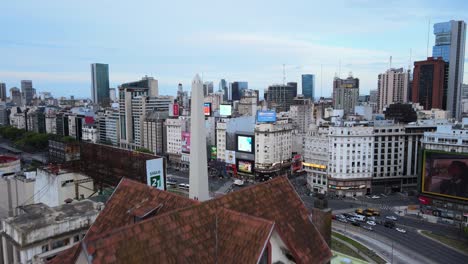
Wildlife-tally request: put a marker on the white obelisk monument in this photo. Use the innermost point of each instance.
(198, 178)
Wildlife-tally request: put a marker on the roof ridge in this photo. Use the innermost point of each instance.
(274, 180)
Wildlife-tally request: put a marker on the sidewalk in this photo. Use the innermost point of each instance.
(383, 247)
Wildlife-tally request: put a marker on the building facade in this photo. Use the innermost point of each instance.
(430, 83)
(345, 94)
(280, 97)
(392, 87)
(100, 84)
(351, 152)
(450, 38)
(308, 86)
(301, 113)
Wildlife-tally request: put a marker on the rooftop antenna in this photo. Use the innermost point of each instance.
(390, 63)
(284, 74)
(339, 68)
(321, 81)
(428, 30)
(409, 62)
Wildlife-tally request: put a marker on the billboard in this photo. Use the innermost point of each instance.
(185, 142)
(245, 143)
(230, 157)
(225, 110)
(155, 173)
(173, 109)
(245, 166)
(266, 116)
(214, 152)
(207, 109)
(445, 174)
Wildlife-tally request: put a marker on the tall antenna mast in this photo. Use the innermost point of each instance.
(409, 62)
(339, 68)
(284, 74)
(428, 30)
(390, 64)
(321, 80)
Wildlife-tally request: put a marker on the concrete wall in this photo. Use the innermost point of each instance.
(14, 192)
(53, 190)
(277, 249)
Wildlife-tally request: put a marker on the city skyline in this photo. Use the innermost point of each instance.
(59, 48)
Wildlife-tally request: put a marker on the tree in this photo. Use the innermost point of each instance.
(144, 150)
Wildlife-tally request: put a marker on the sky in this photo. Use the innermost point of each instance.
(53, 42)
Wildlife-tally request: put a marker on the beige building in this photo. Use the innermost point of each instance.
(392, 88)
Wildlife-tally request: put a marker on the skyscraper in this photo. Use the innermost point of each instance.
(100, 83)
(208, 88)
(3, 95)
(392, 87)
(450, 40)
(281, 97)
(237, 90)
(345, 94)
(198, 177)
(308, 86)
(223, 88)
(27, 91)
(430, 84)
(15, 96)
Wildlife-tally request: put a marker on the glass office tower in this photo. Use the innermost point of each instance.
(100, 83)
(450, 40)
(308, 86)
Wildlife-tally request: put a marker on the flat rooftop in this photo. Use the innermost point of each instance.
(37, 216)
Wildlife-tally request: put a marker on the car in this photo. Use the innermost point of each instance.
(372, 223)
(367, 227)
(359, 211)
(391, 217)
(340, 216)
(356, 223)
(171, 182)
(371, 218)
(239, 182)
(389, 224)
(375, 197)
(351, 219)
(401, 230)
(343, 220)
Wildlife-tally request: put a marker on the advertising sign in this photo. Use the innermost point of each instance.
(155, 173)
(214, 152)
(266, 116)
(186, 142)
(245, 143)
(245, 166)
(445, 174)
(230, 157)
(173, 110)
(207, 109)
(225, 110)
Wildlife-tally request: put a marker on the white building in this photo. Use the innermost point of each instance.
(435, 114)
(447, 138)
(41, 232)
(57, 185)
(351, 152)
(174, 139)
(17, 118)
(248, 103)
(273, 147)
(301, 113)
(221, 141)
(392, 88)
(109, 127)
(15, 191)
(389, 148)
(316, 158)
(51, 123)
(90, 133)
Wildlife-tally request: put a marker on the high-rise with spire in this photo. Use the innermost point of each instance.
(198, 178)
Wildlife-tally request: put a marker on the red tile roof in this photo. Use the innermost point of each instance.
(131, 196)
(198, 234)
(183, 230)
(276, 200)
(67, 256)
